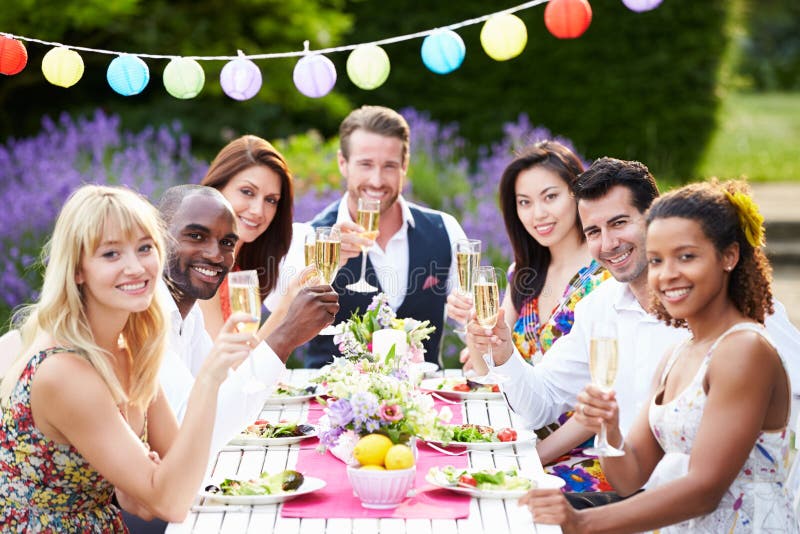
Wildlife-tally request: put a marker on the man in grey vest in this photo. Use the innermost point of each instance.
(411, 261)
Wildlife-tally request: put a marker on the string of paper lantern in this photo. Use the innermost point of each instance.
(503, 37)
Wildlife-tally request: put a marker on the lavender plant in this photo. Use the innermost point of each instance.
(37, 174)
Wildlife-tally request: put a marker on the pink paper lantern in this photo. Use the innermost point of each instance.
(641, 5)
(13, 56)
(567, 19)
(314, 75)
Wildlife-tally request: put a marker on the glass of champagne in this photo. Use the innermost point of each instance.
(369, 215)
(487, 306)
(327, 251)
(310, 248)
(468, 258)
(244, 298)
(603, 367)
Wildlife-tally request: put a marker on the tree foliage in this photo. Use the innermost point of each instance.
(635, 85)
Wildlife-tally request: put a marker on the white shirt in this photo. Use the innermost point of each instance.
(291, 264)
(391, 264)
(187, 348)
(541, 393)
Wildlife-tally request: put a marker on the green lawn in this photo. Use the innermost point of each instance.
(758, 137)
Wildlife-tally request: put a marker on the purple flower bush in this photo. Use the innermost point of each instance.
(37, 174)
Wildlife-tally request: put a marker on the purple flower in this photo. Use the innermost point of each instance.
(340, 412)
(365, 408)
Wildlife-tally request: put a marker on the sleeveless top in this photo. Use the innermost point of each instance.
(48, 487)
(533, 339)
(757, 500)
(429, 258)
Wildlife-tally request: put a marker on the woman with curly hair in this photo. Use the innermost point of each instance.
(254, 177)
(82, 410)
(715, 434)
(552, 271)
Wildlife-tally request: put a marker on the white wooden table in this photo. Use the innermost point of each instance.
(486, 515)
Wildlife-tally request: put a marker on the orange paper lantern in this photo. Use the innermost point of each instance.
(13, 56)
(567, 19)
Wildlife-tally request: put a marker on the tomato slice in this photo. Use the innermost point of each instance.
(466, 480)
(461, 387)
(507, 434)
(261, 422)
(495, 388)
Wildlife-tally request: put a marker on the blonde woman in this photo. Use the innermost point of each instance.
(82, 409)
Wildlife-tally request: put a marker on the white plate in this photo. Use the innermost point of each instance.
(243, 439)
(309, 484)
(431, 384)
(289, 399)
(543, 481)
(523, 436)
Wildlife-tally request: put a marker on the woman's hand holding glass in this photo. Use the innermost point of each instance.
(245, 299)
(603, 361)
(596, 407)
(230, 348)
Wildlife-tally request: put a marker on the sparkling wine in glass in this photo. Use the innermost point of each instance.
(244, 298)
(310, 248)
(603, 361)
(468, 258)
(487, 307)
(327, 251)
(369, 215)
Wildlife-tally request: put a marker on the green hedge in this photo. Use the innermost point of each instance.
(638, 86)
(770, 49)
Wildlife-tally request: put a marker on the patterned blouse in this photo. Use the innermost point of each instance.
(533, 339)
(48, 487)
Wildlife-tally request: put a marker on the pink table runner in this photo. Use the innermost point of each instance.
(336, 500)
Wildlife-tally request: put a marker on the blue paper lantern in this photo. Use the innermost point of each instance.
(240, 79)
(314, 75)
(443, 51)
(128, 75)
(641, 5)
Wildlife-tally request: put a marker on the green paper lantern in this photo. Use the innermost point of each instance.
(62, 67)
(184, 78)
(368, 67)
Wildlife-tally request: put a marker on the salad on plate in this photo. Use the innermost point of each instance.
(486, 483)
(482, 437)
(461, 388)
(288, 393)
(265, 489)
(262, 432)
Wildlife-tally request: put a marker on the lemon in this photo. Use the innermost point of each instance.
(371, 449)
(399, 457)
(373, 468)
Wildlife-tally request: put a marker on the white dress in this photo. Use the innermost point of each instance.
(757, 500)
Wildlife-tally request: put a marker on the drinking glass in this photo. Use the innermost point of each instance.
(244, 297)
(369, 215)
(310, 248)
(468, 258)
(487, 306)
(327, 250)
(603, 367)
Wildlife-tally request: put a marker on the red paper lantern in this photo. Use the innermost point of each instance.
(567, 19)
(13, 56)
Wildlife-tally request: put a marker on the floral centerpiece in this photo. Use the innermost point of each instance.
(369, 402)
(355, 339)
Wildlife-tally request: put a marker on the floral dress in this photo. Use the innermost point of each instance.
(48, 487)
(757, 500)
(533, 339)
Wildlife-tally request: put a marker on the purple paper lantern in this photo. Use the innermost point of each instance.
(641, 6)
(314, 75)
(240, 79)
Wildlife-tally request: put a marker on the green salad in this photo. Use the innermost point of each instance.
(262, 428)
(481, 479)
(288, 390)
(265, 484)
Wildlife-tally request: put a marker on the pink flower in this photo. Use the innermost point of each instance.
(369, 346)
(391, 412)
(430, 282)
(417, 354)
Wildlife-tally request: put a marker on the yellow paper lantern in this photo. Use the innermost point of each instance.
(504, 37)
(368, 66)
(184, 78)
(62, 66)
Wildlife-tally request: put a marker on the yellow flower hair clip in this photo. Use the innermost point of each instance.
(750, 218)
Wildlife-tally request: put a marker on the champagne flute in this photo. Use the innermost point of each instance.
(468, 258)
(327, 250)
(369, 215)
(310, 248)
(603, 367)
(487, 307)
(244, 297)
